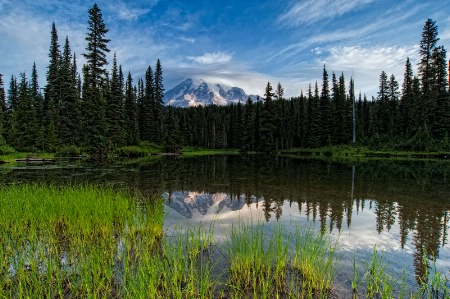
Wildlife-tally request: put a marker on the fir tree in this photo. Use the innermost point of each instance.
(115, 115)
(25, 118)
(325, 112)
(97, 47)
(158, 103)
(268, 122)
(407, 103)
(131, 129)
(172, 140)
(2, 110)
(147, 124)
(69, 110)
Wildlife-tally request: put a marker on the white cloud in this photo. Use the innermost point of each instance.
(211, 58)
(366, 64)
(310, 11)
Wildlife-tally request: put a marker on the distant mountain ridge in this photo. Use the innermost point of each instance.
(198, 92)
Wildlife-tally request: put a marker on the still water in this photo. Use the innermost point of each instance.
(402, 208)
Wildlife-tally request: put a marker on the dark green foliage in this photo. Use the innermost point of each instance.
(131, 124)
(325, 111)
(172, 140)
(25, 117)
(268, 122)
(158, 104)
(115, 108)
(97, 47)
(3, 108)
(148, 127)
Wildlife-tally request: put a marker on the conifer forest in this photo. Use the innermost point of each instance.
(100, 107)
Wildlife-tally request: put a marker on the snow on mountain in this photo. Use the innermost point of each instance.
(201, 93)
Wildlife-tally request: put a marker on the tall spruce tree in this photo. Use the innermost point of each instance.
(25, 117)
(51, 95)
(383, 111)
(267, 144)
(147, 123)
(94, 108)
(69, 109)
(158, 103)
(115, 115)
(2, 110)
(325, 112)
(12, 103)
(407, 103)
(131, 121)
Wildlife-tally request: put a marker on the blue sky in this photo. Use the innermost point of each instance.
(238, 42)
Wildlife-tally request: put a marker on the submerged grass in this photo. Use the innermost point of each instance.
(92, 242)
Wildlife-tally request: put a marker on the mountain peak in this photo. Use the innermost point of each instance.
(198, 92)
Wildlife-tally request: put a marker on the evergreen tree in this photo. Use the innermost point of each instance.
(115, 115)
(94, 111)
(2, 110)
(407, 103)
(248, 136)
(158, 103)
(267, 144)
(131, 124)
(12, 103)
(383, 113)
(97, 47)
(69, 110)
(325, 112)
(51, 94)
(441, 116)
(314, 130)
(393, 106)
(147, 124)
(25, 118)
(38, 104)
(172, 140)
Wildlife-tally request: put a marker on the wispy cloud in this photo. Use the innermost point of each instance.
(366, 64)
(211, 58)
(310, 11)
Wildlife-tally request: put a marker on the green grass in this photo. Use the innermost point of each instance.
(9, 158)
(97, 242)
(359, 153)
(196, 151)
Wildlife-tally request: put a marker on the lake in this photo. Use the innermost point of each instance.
(401, 207)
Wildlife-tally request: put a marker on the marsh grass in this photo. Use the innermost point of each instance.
(97, 242)
(266, 265)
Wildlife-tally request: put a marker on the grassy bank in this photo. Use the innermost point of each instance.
(362, 153)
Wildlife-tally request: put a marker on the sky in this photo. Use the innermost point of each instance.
(242, 43)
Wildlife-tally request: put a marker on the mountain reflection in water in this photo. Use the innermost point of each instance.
(400, 206)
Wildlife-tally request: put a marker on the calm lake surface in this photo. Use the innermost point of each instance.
(401, 207)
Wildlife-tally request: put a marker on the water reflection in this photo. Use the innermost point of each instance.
(405, 203)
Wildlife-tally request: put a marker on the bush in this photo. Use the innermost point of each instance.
(130, 152)
(68, 151)
(6, 149)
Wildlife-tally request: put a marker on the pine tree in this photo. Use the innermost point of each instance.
(2, 111)
(158, 103)
(440, 121)
(38, 104)
(383, 114)
(407, 103)
(68, 108)
(115, 108)
(314, 130)
(248, 136)
(325, 112)
(94, 111)
(97, 47)
(268, 122)
(25, 118)
(51, 94)
(172, 140)
(12, 103)
(131, 124)
(147, 124)
(393, 106)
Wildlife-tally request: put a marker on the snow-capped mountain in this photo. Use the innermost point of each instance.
(198, 92)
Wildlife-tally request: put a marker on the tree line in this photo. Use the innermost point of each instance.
(100, 110)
